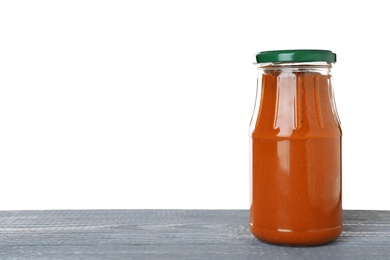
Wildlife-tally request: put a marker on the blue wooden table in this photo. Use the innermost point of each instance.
(174, 234)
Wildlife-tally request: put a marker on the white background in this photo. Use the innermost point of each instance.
(146, 104)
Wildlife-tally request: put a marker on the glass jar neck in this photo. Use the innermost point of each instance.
(319, 67)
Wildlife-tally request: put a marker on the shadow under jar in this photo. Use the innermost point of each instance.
(295, 150)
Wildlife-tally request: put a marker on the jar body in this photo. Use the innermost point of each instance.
(295, 156)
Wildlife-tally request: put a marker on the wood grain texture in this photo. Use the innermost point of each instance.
(174, 234)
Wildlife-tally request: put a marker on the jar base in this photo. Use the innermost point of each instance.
(297, 238)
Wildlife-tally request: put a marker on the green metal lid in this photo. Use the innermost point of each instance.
(295, 56)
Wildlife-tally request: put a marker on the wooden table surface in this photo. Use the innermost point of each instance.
(174, 234)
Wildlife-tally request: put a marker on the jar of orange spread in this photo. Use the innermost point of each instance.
(295, 150)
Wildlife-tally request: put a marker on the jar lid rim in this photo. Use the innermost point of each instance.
(297, 55)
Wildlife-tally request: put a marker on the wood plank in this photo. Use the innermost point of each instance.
(174, 234)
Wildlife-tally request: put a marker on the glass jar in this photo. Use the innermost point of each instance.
(295, 150)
